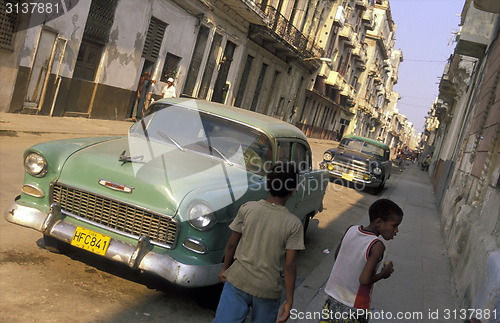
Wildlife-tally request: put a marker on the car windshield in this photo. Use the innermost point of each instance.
(189, 129)
(363, 146)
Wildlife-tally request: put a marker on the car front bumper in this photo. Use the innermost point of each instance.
(370, 181)
(140, 256)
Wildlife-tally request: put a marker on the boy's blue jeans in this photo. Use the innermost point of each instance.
(235, 304)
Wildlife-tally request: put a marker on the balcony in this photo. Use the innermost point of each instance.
(362, 4)
(368, 19)
(247, 9)
(359, 53)
(347, 34)
(280, 37)
(477, 30)
(348, 91)
(336, 80)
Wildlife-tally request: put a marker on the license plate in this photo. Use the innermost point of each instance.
(91, 241)
(348, 177)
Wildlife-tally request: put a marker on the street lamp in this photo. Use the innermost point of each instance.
(323, 59)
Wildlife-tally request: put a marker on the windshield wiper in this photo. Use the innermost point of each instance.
(223, 157)
(165, 136)
(129, 159)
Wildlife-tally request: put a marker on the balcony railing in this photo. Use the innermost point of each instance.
(291, 35)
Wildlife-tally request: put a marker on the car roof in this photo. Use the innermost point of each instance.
(372, 141)
(271, 126)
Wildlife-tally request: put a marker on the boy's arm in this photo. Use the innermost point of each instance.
(368, 275)
(231, 245)
(290, 276)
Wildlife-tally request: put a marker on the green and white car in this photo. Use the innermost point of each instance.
(161, 199)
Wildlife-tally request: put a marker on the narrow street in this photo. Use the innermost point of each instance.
(41, 286)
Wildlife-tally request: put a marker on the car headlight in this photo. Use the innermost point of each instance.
(201, 216)
(35, 165)
(377, 171)
(327, 156)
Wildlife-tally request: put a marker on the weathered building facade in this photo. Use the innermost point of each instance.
(463, 134)
(326, 66)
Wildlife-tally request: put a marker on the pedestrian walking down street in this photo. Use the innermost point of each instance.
(265, 235)
(168, 91)
(357, 261)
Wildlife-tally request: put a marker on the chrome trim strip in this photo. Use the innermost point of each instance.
(113, 186)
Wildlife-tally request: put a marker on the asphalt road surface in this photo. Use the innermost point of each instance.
(39, 286)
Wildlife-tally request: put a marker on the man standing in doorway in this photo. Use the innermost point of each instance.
(169, 90)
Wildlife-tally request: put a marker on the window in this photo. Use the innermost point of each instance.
(210, 67)
(244, 81)
(292, 151)
(154, 38)
(302, 157)
(88, 59)
(171, 67)
(194, 65)
(256, 95)
(8, 26)
(285, 151)
(96, 34)
(100, 19)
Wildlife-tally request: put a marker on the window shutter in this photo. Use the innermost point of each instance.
(154, 38)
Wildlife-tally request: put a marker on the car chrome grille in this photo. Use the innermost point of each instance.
(115, 215)
(358, 172)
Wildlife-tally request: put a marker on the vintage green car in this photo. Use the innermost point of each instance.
(161, 199)
(362, 161)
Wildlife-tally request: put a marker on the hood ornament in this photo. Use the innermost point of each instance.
(115, 186)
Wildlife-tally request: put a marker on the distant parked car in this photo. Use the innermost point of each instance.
(161, 198)
(359, 160)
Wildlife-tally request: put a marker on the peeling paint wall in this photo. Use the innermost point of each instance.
(69, 26)
(471, 204)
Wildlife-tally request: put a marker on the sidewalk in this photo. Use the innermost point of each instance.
(13, 122)
(420, 289)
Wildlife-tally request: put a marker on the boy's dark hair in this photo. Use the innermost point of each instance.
(384, 209)
(282, 179)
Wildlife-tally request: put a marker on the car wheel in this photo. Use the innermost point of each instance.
(54, 245)
(379, 189)
(306, 224)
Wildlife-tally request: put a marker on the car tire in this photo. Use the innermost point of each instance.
(306, 224)
(380, 188)
(54, 245)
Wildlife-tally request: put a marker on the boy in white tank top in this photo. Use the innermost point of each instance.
(357, 263)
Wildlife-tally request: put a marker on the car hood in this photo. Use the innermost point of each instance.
(159, 181)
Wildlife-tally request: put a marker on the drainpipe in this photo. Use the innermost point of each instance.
(59, 78)
(46, 81)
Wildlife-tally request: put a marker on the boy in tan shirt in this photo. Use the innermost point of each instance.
(265, 236)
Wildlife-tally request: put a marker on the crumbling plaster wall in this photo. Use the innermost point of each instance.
(471, 205)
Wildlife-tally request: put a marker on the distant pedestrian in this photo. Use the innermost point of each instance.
(169, 90)
(357, 260)
(141, 102)
(264, 241)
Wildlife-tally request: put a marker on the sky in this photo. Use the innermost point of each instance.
(425, 32)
